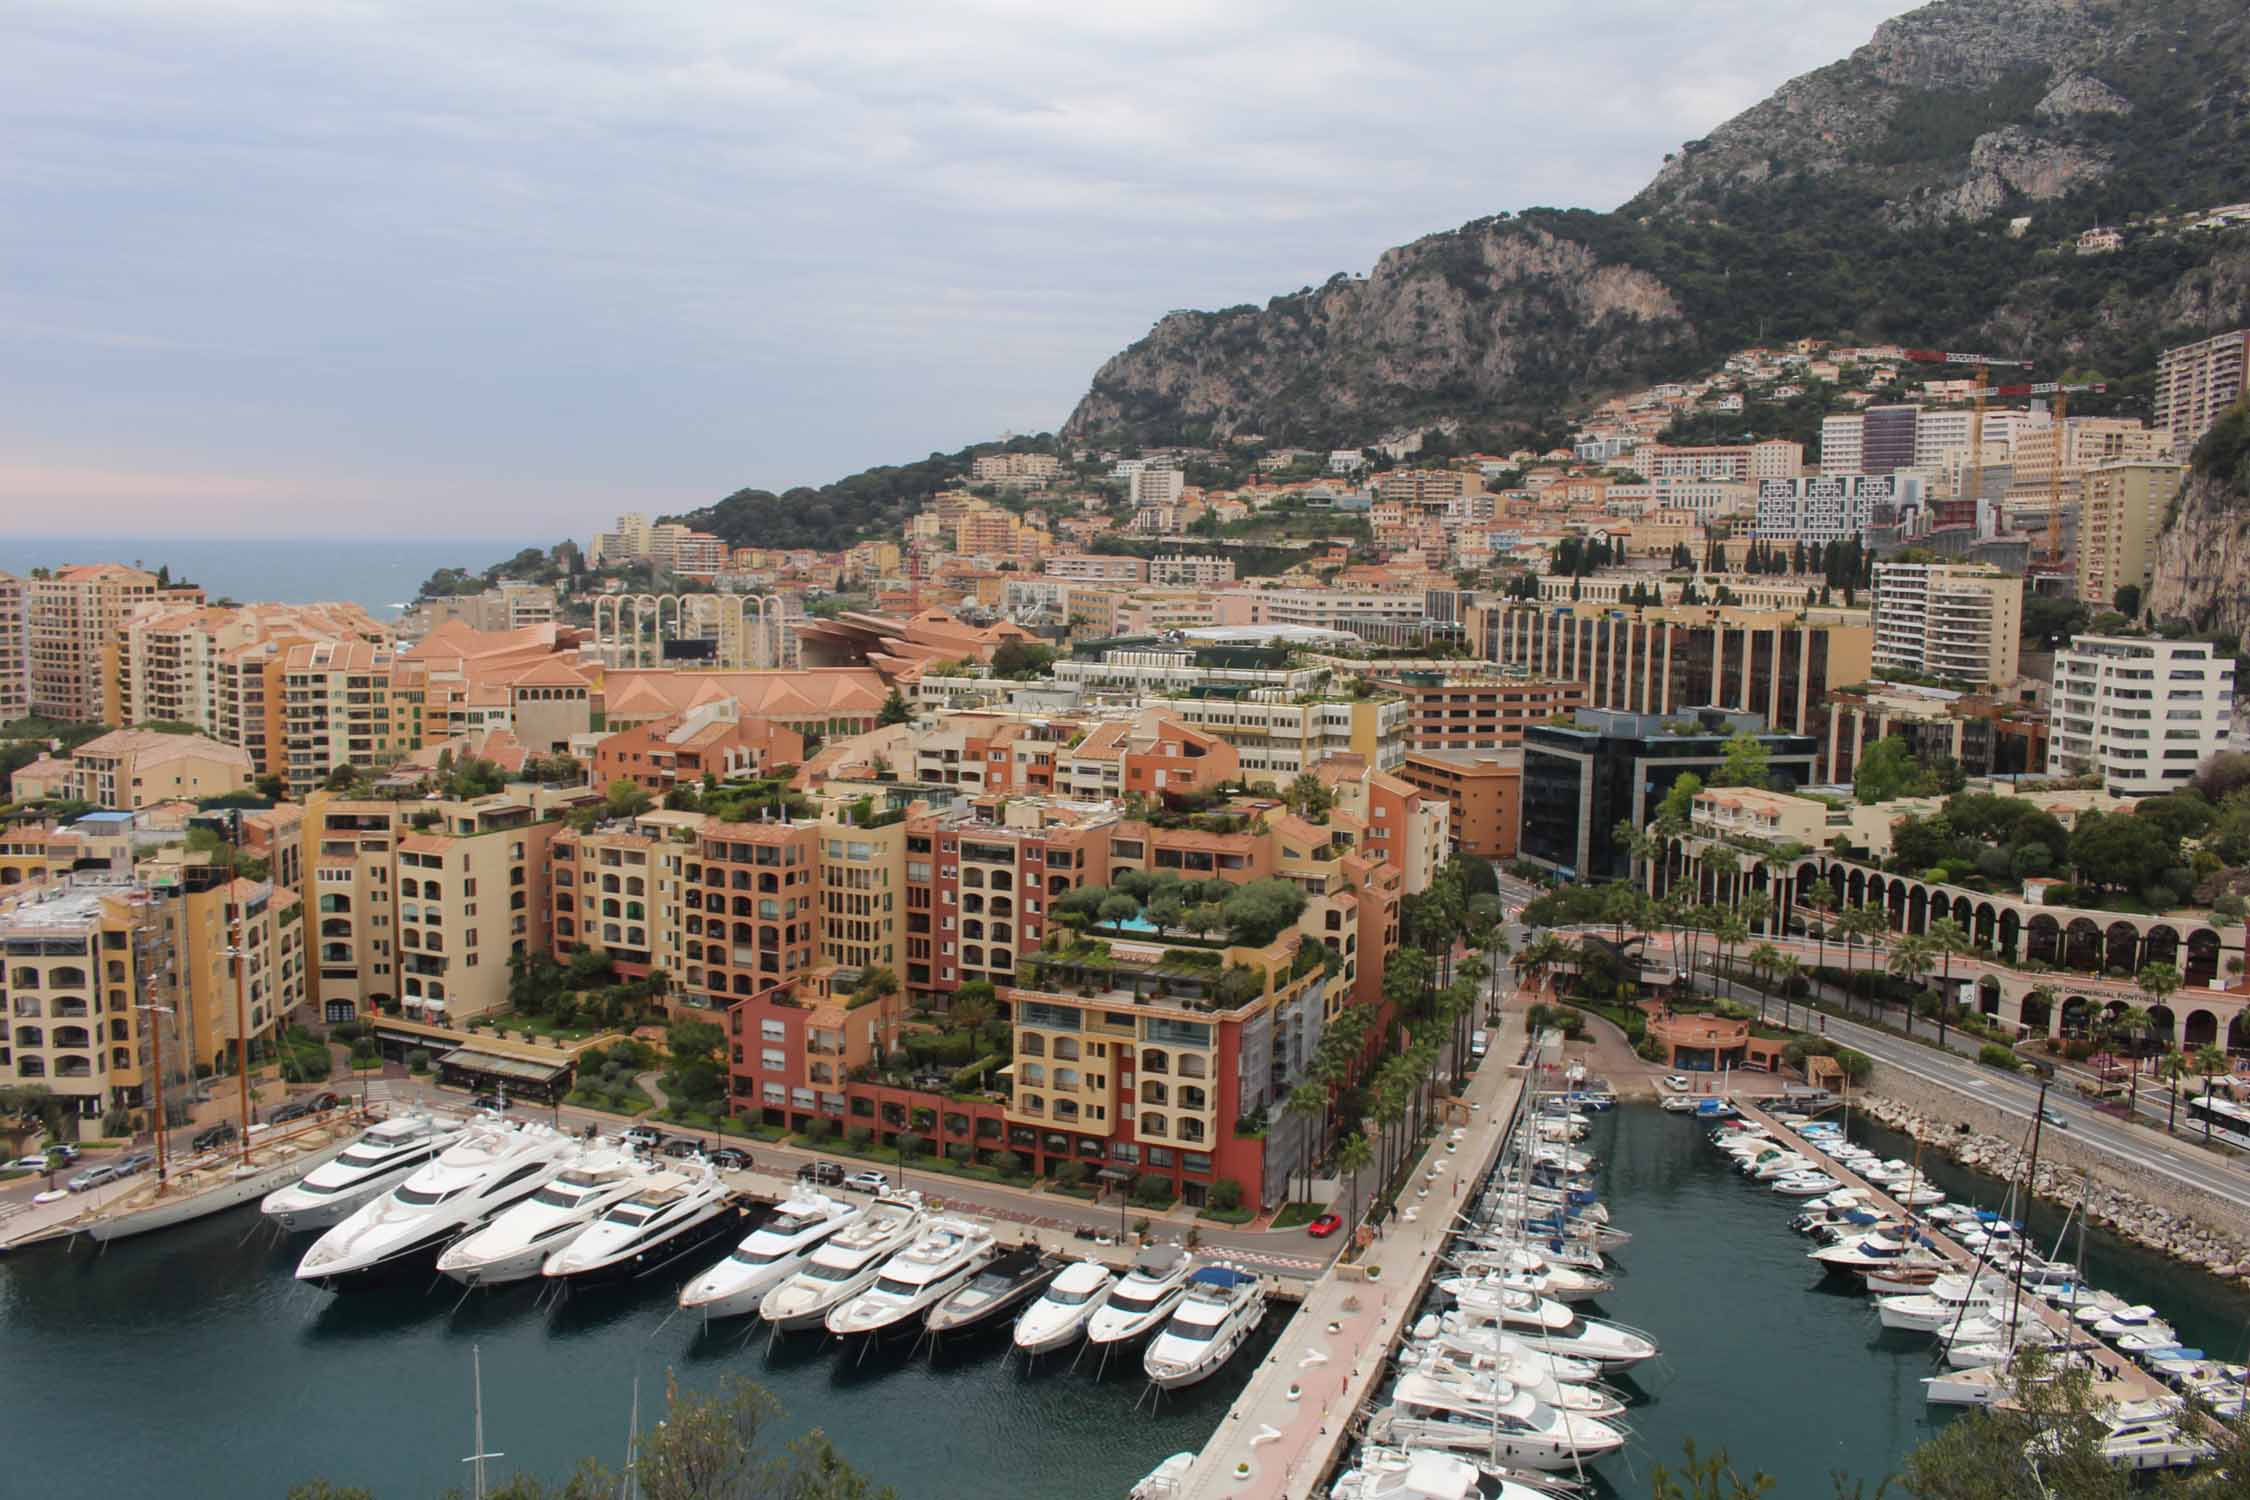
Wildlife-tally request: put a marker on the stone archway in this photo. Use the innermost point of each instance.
(2160, 945)
(2043, 940)
(1988, 996)
(2038, 1012)
(2238, 1032)
(1917, 909)
(2162, 1027)
(2082, 946)
(2202, 969)
(2077, 1016)
(2008, 934)
(2201, 1029)
(2121, 948)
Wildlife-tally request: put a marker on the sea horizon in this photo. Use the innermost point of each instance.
(382, 574)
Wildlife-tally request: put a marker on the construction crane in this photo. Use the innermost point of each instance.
(2062, 394)
(1984, 364)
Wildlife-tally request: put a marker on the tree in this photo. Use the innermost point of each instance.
(894, 709)
(973, 1004)
(1353, 1157)
(1787, 974)
(2119, 851)
(1885, 771)
(1118, 907)
(877, 984)
(626, 799)
(2210, 1061)
(1749, 762)
(1947, 938)
(1021, 659)
(2128, 600)
(1911, 961)
(2136, 1023)
(1308, 798)
(1863, 924)
(271, 787)
(1257, 912)
(1306, 1101)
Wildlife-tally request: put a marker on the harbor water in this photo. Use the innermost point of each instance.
(1787, 1370)
(191, 1363)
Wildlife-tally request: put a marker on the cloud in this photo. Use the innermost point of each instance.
(553, 262)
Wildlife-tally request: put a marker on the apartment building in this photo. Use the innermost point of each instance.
(35, 852)
(209, 665)
(682, 749)
(129, 769)
(1277, 739)
(1983, 735)
(2121, 510)
(507, 605)
(1096, 567)
(1135, 674)
(1389, 818)
(236, 950)
(1841, 445)
(15, 650)
(2078, 445)
(624, 888)
(1156, 488)
(1323, 609)
(1834, 505)
(1460, 711)
(979, 881)
(1956, 621)
(347, 703)
(72, 620)
(758, 920)
(2195, 384)
(1435, 487)
(1483, 791)
(1010, 468)
(2141, 713)
(78, 953)
(1190, 572)
(1778, 664)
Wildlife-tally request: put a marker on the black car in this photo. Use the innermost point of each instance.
(681, 1147)
(212, 1136)
(826, 1173)
(137, 1161)
(731, 1159)
(288, 1112)
(493, 1102)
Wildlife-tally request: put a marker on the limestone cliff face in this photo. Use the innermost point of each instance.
(1869, 199)
(1455, 319)
(2203, 558)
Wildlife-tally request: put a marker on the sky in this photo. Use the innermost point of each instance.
(367, 268)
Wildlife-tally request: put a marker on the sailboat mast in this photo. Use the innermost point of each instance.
(2030, 1191)
(241, 954)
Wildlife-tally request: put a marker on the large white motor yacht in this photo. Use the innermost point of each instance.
(1222, 1308)
(492, 1166)
(775, 1251)
(845, 1266)
(518, 1241)
(1144, 1299)
(1493, 1418)
(1059, 1316)
(942, 1258)
(668, 1216)
(1949, 1299)
(385, 1155)
(1546, 1324)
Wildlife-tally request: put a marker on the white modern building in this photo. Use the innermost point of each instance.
(1834, 506)
(1190, 572)
(2140, 712)
(1955, 621)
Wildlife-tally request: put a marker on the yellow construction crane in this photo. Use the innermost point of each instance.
(1984, 365)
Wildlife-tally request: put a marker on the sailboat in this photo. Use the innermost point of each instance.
(262, 1161)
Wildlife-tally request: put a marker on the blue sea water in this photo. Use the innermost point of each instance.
(377, 572)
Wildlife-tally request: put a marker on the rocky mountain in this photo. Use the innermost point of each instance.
(1927, 189)
(2203, 558)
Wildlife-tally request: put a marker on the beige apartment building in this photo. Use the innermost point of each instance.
(1956, 621)
(15, 651)
(347, 703)
(2079, 444)
(2120, 513)
(624, 888)
(72, 620)
(2196, 383)
(129, 769)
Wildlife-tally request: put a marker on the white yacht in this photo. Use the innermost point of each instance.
(845, 1266)
(1006, 1283)
(1526, 1266)
(1425, 1474)
(1145, 1298)
(1223, 1307)
(941, 1259)
(1059, 1316)
(1493, 1418)
(386, 1154)
(669, 1215)
(775, 1250)
(1489, 1343)
(1442, 1358)
(2140, 1435)
(493, 1165)
(1949, 1299)
(1808, 1184)
(1883, 1248)
(515, 1243)
(1546, 1324)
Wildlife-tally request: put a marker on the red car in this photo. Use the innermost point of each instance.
(1324, 1226)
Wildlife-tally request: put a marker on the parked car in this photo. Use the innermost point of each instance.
(66, 1151)
(92, 1177)
(647, 1137)
(1324, 1226)
(134, 1162)
(683, 1146)
(325, 1100)
(28, 1164)
(1676, 1082)
(868, 1182)
(497, 1103)
(2054, 1117)
(825, 1173)
(210, 1137)
(288, 1112)
(1480, 1042)
(731, 1159)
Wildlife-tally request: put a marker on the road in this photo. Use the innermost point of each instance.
(2175, 1159)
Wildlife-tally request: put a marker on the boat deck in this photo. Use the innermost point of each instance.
(2116, 1368)
(1286, 1431)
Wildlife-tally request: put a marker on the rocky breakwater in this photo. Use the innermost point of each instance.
(2168, 1229)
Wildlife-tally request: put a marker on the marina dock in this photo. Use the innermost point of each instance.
(1286, 1432)
(2121, 1374)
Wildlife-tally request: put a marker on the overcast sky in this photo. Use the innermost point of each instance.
(364, 267)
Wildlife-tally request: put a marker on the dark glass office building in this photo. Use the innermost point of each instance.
(1581, 781)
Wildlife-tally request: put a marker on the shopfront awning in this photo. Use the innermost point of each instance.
(493, 1065)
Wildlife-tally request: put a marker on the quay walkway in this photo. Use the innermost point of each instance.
(2122, 1372)
(1284, 1434)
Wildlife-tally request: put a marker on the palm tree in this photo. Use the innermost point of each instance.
(1723, 863)
(1757, 910)
(1730, 931)
(2172, 1067)
(1764, 959)
(1865, 924)
(1946, 937)
(1911, 961)
(2136, 1023)
(1353, 1157)
(1473, 972)
(2160, 982)
(1394, 1092)
(2210, 1061)
(1787, 971)
(1306, 1100)
(1822, 899)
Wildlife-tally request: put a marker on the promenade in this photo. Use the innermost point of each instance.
(1285, 1433)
